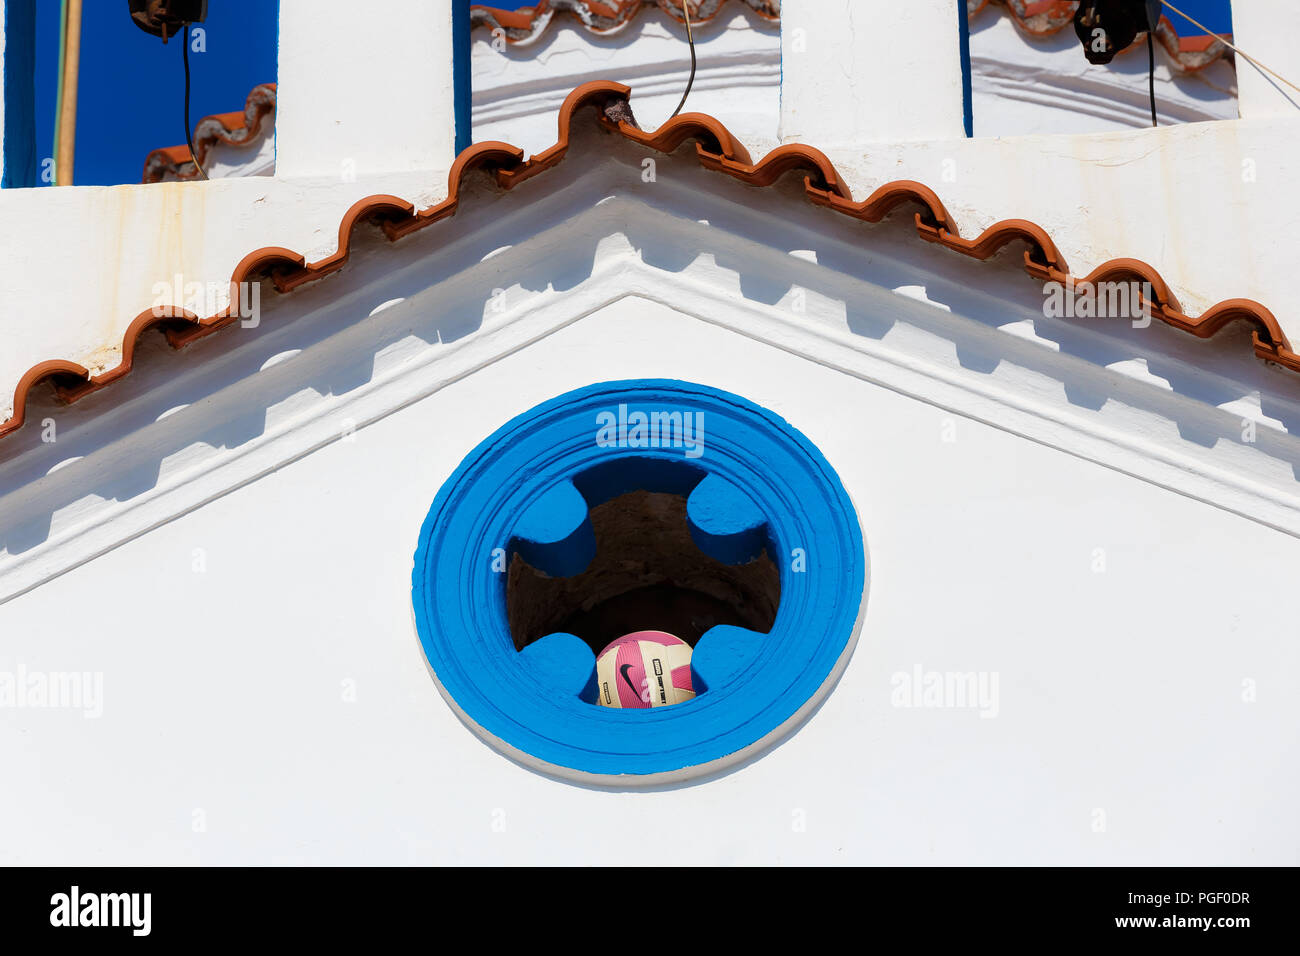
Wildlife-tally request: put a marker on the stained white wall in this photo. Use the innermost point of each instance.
(1120, 689)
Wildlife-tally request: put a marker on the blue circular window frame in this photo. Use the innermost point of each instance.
(757, 688)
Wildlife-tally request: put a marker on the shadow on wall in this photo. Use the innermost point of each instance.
(330, 336)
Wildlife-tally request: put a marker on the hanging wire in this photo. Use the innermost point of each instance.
(1244, 55)
(690, 37)
(1151, 74)
(189, 139)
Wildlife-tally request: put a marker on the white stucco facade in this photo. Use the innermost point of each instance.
(1096, 519)
(1118, 691)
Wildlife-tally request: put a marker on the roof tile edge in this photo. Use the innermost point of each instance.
(1036, 17)
(717, 150)
(233, 129)
(527, 24)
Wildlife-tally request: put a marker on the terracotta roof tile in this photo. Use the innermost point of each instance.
(1038, 17)
(528, 23)
(233, 129)
(715, 149)
(1046, 17)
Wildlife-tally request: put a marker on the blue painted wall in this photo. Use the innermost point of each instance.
(967, 96)
(1215, 14)
(20, 93)
(131, 95)
(462, 76)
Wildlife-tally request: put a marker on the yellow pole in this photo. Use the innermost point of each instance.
(63, 162)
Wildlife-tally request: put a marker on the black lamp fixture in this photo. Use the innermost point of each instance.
(1105, 27)
(166, 18)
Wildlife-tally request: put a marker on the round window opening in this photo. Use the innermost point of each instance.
(639, 582)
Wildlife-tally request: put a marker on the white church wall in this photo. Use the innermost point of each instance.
(868, 73)
(1029, 515)
(335, 110)
(1073, 511)
(264, 691)
(1267, 29)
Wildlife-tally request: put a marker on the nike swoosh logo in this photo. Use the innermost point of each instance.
(623, 670)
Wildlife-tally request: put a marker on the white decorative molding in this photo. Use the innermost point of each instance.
(873, 302)
(518, 89)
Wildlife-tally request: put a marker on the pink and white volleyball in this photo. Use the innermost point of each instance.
(645, 669)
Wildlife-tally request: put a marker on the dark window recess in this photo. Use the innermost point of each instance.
(648, 574)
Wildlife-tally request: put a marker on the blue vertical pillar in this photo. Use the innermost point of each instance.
(968, 109)
(461, 76)
(19, 94)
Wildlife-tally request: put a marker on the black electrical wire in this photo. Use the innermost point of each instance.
(1151, 54)
(690, 37)
(189, 139)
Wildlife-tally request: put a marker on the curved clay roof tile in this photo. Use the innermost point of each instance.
(716, 149)
(233, 129)
(528, 23)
